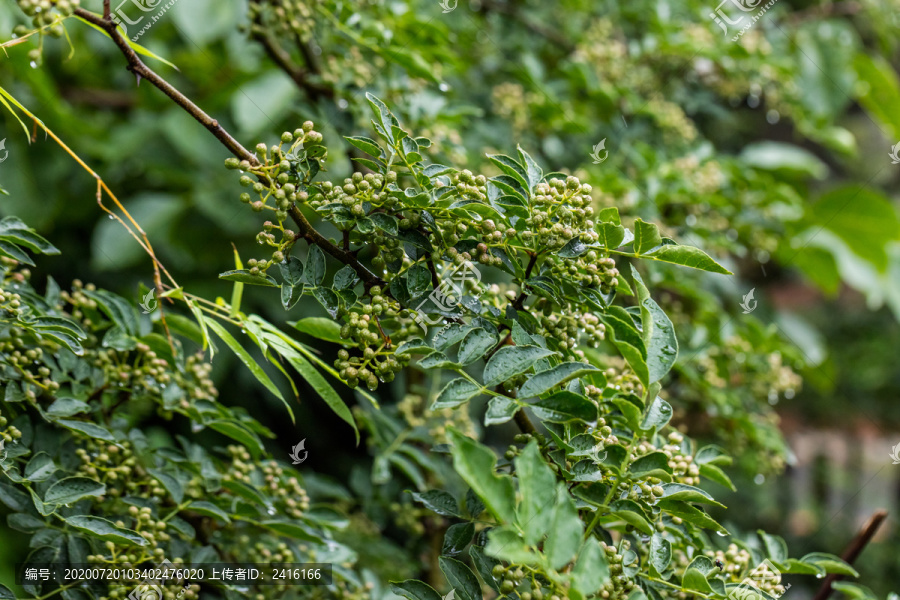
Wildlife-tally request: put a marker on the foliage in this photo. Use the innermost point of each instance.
(552, 316)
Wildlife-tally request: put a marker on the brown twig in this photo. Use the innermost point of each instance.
(141, 70)
(519, 302)
(300, 75)
(853, 550)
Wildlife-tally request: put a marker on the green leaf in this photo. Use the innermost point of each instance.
(292, 529)
(410, 60)
(73, 489)
(660, 553)
(320, 328)
(657, 332)
(536, 486)
(66, 407)
(712, 455)
(655, 464)
(475, 464)
(290, 295)
(170, 483)
(457, 538)
(507, 544)
(346, 278)
(387, 223)
(658, 415)
(244, 276)
(106, 530)
(591, 571)
(829, 562)
(239, 433)
(691, 514)
(328, 299)
(475, 345)
(785, 159)
(511, 168)
(89, 429)
(688, 493)
(485, 564)
(695, 580)
(863, 218)
(776, 548)
(461, 579)
(687, 256)
(40, 467)
(414, 590)
(545, 381)
(714, 473)
(500, 409)
(6, 593)
(566, 531)
(510, 361)
(248, 361)
(881, 96)
(565, 406)
(315, 380)
(628, 341)
(533, 171)
(208, 509)
(439, 501)
(315, 266)
(367, 145)
(455, 393)
(646, 237)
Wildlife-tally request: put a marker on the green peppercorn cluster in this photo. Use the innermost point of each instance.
(279, 179)
(44, 14)
(290, 497)
(562, 211)
(285, 18)
(619, 585)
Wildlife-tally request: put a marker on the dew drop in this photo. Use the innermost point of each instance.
(759, 479)
(110, 217)
(33, 65)
(721, 534)
(271, 510)
(444, 87)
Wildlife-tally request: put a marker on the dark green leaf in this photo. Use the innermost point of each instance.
(461, 579)
(439, 501)
(245, 276)
(510, 361)
(455, 393)
(457, 538)
(106, 530)
(73, 489)
(545, 381)
(475, 464)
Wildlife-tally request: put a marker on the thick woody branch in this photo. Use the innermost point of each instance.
(141, 70)
(852, 552)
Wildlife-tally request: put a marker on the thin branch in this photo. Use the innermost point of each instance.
(106, 15)
(546, 32)
(137, 66)
(316, 91)
(520, 301)
(853, 551)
